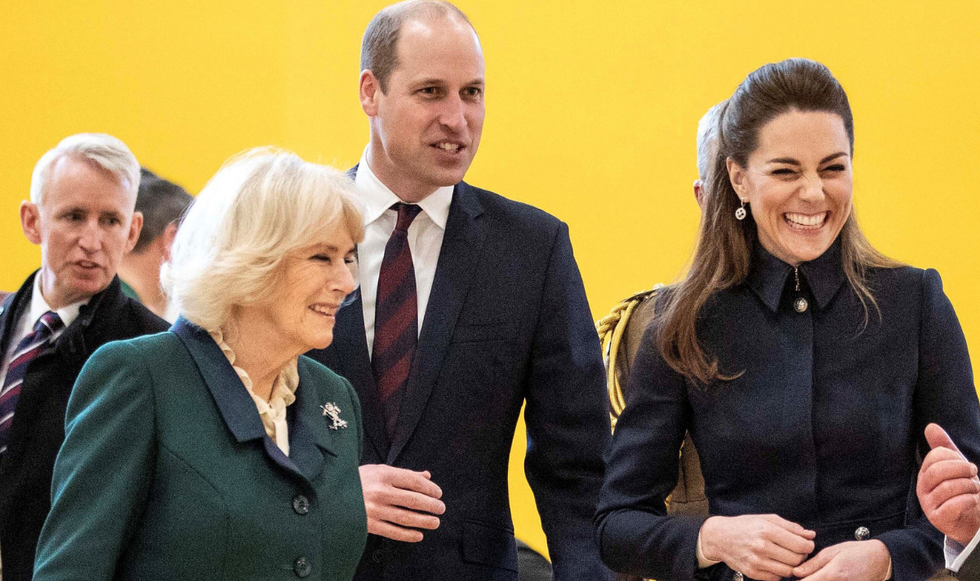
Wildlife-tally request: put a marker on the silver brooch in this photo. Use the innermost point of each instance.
(331, 409)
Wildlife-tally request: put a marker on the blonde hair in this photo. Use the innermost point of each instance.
(262, 205)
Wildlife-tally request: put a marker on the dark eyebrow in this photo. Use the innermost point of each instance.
(832, 156)
(791, 161)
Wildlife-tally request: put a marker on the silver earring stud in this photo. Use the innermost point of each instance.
(740, 212)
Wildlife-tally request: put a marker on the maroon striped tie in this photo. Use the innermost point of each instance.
(396, 318)
(35, 343)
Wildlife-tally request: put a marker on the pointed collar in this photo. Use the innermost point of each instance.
(378, 198)
(769, 275)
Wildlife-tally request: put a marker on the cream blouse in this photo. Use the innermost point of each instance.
(272, 412)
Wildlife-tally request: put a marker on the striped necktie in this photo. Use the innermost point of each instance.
(396, 318)
(35, 343)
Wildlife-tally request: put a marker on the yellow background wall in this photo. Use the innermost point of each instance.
(592, 110)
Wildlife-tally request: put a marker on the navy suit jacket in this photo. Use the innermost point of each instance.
(507, 323)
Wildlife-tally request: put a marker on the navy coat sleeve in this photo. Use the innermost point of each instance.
(634, 532)
(567, 422)
(944, 394)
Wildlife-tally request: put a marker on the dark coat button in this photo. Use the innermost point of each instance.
(301, 504)
(302, 567)
(376, 556)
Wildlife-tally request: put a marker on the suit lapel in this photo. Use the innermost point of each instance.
(458, 258)
(354, 363)
(234, 404)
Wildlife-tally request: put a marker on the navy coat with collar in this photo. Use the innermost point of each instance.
(824, 426)
(39, 420)
(167, 473)
(507, 323)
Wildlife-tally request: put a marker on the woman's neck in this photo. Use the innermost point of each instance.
(257, 351)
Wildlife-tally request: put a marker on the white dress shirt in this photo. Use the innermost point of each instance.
(27, 320)
(956, 553)
(424, 240)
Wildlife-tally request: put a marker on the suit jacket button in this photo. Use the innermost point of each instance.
(301, 504)
(302, 567)
(376, 556)
(861, 533)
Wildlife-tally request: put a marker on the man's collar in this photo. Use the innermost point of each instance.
(39, 306)
(769, 275)
(377, 197)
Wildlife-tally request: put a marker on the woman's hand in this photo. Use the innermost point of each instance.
(853, 560)
(760, 546)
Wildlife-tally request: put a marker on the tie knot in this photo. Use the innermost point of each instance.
(406, 213)
(48, 323)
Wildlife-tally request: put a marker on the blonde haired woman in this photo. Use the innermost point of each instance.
(215, 451)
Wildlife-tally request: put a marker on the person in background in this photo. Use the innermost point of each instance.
(707, 145)
(803, 363)
(215, 450)
(470, 306)
(82, 214)
(162, 203)
(949, 493)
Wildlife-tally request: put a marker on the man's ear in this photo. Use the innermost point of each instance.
(166, 239)
(30, 221)
(699, 192)
(369, 92)
(135, 225)
(736, 175)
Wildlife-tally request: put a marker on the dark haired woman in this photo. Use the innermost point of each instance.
(803, 362)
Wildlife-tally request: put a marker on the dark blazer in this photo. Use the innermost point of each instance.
(507, 323)
(167, 473)
(823, 427)
(39, 421)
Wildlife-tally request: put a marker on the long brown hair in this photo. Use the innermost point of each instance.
(724, 250)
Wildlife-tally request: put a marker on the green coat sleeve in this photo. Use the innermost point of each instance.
(103, 473)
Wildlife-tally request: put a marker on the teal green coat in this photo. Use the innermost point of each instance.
(167, 473)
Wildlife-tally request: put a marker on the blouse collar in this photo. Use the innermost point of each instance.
(768, 275)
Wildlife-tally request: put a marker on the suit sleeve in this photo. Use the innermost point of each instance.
(944, 394)
(567, 419)
(104, 471)
(634, 532)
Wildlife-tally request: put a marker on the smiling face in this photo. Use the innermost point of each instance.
(301, 312)
(425, 129)
(798, 184)
(84, 224)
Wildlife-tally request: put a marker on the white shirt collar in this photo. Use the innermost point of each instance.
(39, 306)
(377, 197)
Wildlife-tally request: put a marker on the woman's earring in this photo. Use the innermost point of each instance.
(740, 212)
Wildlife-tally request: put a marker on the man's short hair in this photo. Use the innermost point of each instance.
(100, 149)
(707, 137)
(380, 44)
(161, 203)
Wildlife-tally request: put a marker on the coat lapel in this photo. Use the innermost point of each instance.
(454, 274)
(308, 437)
(354, 363)
(234, 404)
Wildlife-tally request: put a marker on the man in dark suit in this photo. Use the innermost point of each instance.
(949, 493)
(470, 306)
(81, 214)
